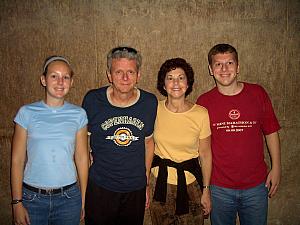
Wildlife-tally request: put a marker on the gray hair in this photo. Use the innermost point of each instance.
(124, 52)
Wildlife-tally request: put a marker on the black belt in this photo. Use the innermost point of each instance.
(48, 191)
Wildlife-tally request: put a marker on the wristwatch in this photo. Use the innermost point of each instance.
(16, 201)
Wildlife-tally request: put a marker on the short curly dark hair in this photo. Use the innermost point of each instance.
(172, 64)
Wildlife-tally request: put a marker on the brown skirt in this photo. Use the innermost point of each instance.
(164, 213)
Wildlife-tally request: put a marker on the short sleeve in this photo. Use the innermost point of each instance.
(23, 117)
(83, 119)
(152, 111)
(205, 125)
(87, 104)
(270, 123)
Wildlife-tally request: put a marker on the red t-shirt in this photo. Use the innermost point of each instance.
(238, 123)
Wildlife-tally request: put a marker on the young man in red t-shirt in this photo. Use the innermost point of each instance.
(240, 115)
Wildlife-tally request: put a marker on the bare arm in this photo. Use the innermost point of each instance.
(206, 166)
(89, 149)
(149, 145)
(149, 142)
(274, 175)
(82, 163)
(17, 169)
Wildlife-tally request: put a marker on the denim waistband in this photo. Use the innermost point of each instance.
(48, 191)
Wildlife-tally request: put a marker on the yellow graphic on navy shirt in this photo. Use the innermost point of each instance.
(117, 120)
(123, 137)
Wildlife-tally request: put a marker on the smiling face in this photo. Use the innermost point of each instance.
(57, 81)
(123, 75)
(224, 68)
(176, 83)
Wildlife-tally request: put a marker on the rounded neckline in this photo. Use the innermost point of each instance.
(242, 90)
(177, 113)
(138, 95)
(54, 108)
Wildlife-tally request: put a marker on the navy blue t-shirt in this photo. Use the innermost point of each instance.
(118, 139)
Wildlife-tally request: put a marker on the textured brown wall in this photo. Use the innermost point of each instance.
(265, 32)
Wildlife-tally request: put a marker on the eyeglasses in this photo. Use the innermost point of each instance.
(121, 49)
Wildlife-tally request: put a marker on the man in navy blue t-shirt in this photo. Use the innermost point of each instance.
(121, 121)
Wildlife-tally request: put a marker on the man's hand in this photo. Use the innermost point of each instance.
(147, 197)
(272, 182)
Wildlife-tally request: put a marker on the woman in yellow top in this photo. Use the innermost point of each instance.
(182, 140)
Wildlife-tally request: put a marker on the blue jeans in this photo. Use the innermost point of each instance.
(56, 209)
(250, 204)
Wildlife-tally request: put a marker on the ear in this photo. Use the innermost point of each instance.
(43, 80)
(72, 81)
(138, 77)
(109, 76)
(238, 69)
(210, 70)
